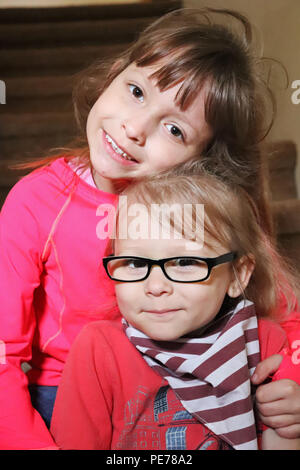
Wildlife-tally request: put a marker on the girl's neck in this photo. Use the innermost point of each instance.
(107, 185)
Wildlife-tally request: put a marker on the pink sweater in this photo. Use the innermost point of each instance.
(51, 285)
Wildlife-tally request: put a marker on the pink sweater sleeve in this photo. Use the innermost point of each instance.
(21, 427)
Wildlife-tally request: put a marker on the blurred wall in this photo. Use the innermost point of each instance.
(279, 24)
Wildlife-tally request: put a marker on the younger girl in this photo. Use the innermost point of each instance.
(187, 86)
(175, 374)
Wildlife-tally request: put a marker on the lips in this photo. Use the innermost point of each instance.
(117, 152)
(162, 311)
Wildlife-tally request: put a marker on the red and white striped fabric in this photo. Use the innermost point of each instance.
(211, 374)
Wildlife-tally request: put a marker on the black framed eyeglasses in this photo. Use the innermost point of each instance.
(177, 269)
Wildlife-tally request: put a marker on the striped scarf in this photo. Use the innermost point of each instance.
(211, 374)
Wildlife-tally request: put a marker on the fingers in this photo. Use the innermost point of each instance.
(270, 410)
(278, 390)
(265, 368)
(289, 432)
(271, 440)
(278, 421)
(278, 405)
(278, 402)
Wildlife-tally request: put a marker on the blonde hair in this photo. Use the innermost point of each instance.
(231, 219)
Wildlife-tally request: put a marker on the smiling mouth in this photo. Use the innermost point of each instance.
(118, 150)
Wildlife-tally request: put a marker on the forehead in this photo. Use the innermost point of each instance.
(148, 76)
(158, 248)
(186, 88)
(167, 228)
(151, 220)
(178, 65)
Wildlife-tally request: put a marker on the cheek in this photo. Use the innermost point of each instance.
(165, 155)
(214, 299)
(96, 111)
(91, 121)
(126, 295)
(206, 299)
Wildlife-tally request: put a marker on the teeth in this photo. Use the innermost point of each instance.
(116, 148)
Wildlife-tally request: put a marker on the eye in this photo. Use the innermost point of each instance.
(134, 263)
(175, 131)
(136, 92)
(183, 262)
(187, 264)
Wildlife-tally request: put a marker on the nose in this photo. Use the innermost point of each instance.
(137, 127)
(157, 284)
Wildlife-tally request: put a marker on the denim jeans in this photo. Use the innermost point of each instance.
(42, 399)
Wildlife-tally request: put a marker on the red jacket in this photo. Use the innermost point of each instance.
(121, 403)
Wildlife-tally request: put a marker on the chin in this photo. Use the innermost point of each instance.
(163, 336)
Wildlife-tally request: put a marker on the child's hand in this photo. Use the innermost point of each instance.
(278, 402)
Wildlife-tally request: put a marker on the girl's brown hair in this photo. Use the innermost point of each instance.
(231, 219)
(193, 46)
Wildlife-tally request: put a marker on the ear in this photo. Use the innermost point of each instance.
(242, 271)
